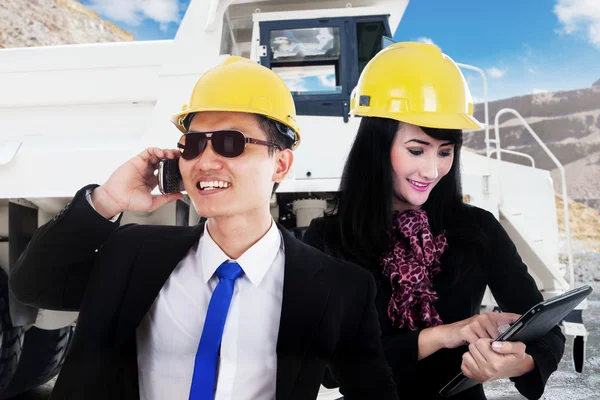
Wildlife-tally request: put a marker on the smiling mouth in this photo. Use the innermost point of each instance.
(212, 185)
(420, 186)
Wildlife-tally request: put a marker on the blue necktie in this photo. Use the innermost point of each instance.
(205, 366)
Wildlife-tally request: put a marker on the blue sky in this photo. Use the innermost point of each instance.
(522, 44)
(525, 46)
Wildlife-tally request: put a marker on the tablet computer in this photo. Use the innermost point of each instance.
(535, 323)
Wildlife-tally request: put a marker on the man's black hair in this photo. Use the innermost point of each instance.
(274, 135)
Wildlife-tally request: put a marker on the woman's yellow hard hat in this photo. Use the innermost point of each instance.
(415, 83)
(241, 85)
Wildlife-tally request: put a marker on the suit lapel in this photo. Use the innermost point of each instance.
(305, 295)
(157, 258)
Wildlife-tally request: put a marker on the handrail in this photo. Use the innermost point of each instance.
(236, 49)
(485, 103)
(514, 153)
(562, 177)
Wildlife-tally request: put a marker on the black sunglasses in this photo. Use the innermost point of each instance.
(228, 143)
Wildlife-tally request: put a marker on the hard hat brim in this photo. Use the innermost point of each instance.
(178, 119)
(441, 121)
(429, 120)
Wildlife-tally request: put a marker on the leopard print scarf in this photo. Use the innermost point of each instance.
(411, 262)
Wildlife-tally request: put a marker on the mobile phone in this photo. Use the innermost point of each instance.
(169, 176)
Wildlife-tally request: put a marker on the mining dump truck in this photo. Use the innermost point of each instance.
(70, 115)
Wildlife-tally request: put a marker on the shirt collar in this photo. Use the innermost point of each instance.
(255, 262)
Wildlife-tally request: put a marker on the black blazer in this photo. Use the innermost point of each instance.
(460, 286)
(80, 261)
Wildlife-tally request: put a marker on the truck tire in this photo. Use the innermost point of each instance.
(11, 338)
(43, 354)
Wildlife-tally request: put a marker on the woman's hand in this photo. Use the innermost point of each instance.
(487, 360)
(470, 330)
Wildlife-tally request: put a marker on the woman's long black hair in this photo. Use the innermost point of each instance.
(364, 207)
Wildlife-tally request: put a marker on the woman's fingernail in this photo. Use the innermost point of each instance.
(497, 345)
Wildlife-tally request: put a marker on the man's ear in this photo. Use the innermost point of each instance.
(283, 164)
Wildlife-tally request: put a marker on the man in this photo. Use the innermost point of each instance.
(232, 309)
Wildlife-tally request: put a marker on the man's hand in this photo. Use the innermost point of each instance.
(130, 187)
(470, 330)
(484, 362)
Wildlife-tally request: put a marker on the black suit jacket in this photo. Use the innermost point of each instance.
(112, 275)
(460, 286)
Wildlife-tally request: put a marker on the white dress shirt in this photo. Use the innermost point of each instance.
(168, 337)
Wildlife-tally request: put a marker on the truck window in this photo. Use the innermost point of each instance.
(369, 36)
(320, 59)
(307, 59)
(236, 36)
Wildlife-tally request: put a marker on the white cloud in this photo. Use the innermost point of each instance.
(327, 81)
(133, 12)
(526, 59)
(537, 91)
(296, 84)
(424, 39)
(495, 72)
(580, 16)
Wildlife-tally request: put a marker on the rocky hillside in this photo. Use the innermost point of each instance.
(27, 23)
(583, 180)
(568, 122)
(584, 224)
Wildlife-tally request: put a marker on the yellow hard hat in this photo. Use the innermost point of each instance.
(415, 83)
(241, 85)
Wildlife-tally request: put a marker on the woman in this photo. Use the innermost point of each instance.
(400, 214)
